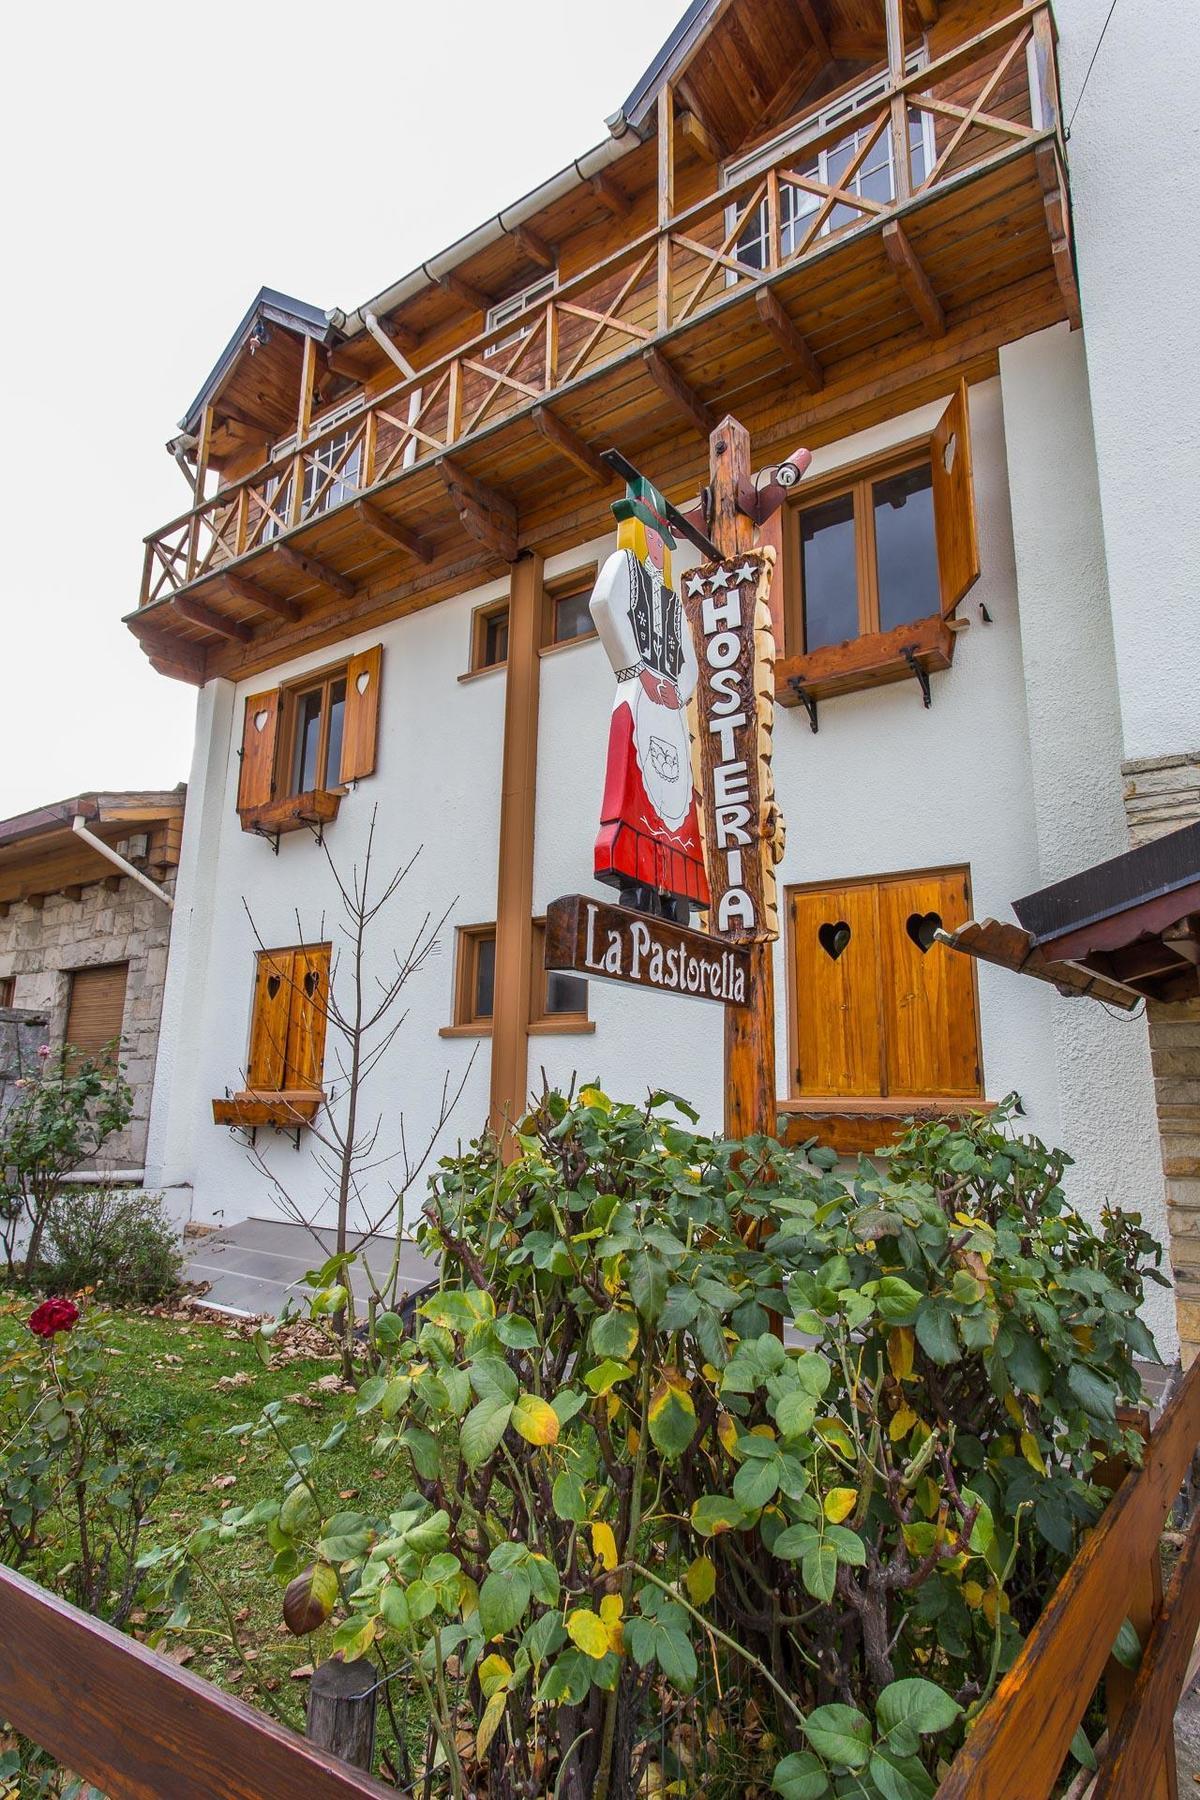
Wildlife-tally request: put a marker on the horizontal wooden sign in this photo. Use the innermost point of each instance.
(613, 943)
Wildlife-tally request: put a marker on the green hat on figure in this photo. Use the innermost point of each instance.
(643, 501)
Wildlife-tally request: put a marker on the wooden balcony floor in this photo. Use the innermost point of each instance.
(984, 241)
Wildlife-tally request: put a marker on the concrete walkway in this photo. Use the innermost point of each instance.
(254, 1266)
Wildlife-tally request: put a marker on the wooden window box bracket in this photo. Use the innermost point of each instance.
(855, 1127)
(915, 650)
(290, 1110)
(296, 812)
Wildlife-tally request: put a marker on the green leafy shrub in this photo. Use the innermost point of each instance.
(76, 1488)
(121, 1244)
(61, 1119)
(609, 1471)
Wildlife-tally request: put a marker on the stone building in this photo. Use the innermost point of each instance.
(86, 890)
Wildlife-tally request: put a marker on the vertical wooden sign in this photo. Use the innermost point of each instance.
(728, 608)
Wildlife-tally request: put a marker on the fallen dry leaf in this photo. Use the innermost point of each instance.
(223, 1481)
(303, 1672)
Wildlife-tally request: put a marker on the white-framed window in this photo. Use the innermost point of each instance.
(513, 307)
(875, 180)
(323, 460)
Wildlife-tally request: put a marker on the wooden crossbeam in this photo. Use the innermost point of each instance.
(73, 891)
(536, 248)
(382, 525)
(487, 516)
(692, 127)
(610, 195)
(255, 595)
(670, 382)
(927, 11)
(570, 445)
(465, 292)
(791, 340)
(110, 883)
(317, 571)
(238, 415)
(198, 613)
(1057, 224)
(915, 283)
(815, 29)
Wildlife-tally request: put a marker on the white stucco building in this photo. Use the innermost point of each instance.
(852, 287)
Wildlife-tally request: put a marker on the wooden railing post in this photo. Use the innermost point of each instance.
(342, 1698)
(203, 448)
(666, 199)
(898, 105)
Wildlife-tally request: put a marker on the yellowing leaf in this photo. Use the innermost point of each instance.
(594, 1096)
(900, 1351)
(972, 1593)
(494, 1672)
(727, 1431)
(604, 1544)
(493, 1712)
(588, 1632)
(1013, 1409)
(835, 1433)
(1084, 1336)
(611, 1608)
(840, 1503)
(902, 1423)
(701, 1581)
(612, 1405)
(633, 1438)
(763, 1431)
(994, 1601)
(535, 1419)
(1031, 1453)
(671, 1415)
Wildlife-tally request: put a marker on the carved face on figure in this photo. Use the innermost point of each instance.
(654, 549)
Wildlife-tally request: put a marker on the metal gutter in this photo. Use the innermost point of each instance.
(118, 861)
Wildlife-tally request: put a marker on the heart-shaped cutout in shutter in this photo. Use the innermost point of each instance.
(364, 681)
(922, 928)
(273, 984)
(260, 721)
(310, 983)
(833, 938)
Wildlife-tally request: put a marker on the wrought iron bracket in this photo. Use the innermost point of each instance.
(808, 701)
(270, 837)
(922, 675)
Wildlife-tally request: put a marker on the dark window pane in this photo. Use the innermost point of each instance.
(308, 737)
(751, 246)
(495, 639)
(565, 993)
(573, 617)
(830, 572)
(905, 547)
(337, 719)
(485, 976)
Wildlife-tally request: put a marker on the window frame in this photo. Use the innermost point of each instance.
(8, 991)
(481, 618)
(858, 479)
(543, 1023)
(513, 309)
(465, 1020)
(291, 696)
(566, 587)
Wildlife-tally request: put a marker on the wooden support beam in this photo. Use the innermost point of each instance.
(464, 291)
(487, 516)
(927, 11)
(610, 195)
(343, 358)
(1058, 225)
(697, 134)
(242, 588)
(815, 29)
(111, 883)
(36, 901)
(198, 612)
(74, 891)
(791, 340)
(382, 525)
(316, 570)
(569, 444)
(535, 247)
(671, 383)
(226, 413)
(915, 283)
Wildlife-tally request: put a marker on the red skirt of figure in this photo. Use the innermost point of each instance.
(633, 844)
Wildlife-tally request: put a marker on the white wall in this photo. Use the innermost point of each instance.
(1134, 161)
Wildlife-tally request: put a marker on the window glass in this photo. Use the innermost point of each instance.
(337, 720)
(308, 741)
(829, 572)
(573, 617)
(905, 547)
(485, 976)
(495, 639)
(565, 993)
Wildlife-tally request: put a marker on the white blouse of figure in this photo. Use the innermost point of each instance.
(610, 606)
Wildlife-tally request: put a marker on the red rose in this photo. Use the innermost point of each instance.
(52, 1316)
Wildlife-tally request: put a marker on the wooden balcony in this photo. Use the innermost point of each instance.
(842, 279)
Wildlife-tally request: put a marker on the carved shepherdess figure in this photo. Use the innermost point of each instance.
(649, 844)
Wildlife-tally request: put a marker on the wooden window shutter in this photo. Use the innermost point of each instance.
(836, 947)
(260, 731)
(362, 714)
(269, 1021)
(309, 1012)
(930, 1025)
(954, 503)
(97, 1007)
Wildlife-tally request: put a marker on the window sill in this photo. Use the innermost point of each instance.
(475, 1031)
(565, 1027)
(297, 812)
(587, 637)
(866, 662)
(489, 669)
(855, 1126)
(288, 1110)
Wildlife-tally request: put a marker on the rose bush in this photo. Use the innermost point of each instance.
(53, 1316)
(607, 1468)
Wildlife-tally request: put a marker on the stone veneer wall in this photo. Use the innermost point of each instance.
(21, 1032)
(1162, 794)
(41, 946)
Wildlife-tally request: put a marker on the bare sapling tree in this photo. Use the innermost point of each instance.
(358, 1140)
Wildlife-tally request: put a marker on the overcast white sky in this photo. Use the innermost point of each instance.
(161, 163)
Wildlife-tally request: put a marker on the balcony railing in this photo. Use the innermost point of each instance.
(973, 108)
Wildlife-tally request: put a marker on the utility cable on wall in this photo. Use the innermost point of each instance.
(1087, 77)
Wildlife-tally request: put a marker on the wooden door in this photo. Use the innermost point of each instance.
(930, 1030)
(836, 971)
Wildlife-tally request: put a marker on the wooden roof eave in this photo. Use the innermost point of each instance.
(1009, 947)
